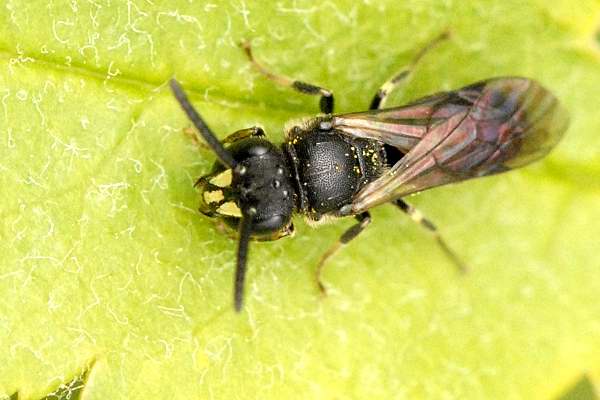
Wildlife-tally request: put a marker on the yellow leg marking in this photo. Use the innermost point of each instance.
(416, 215)
(390, 85)
(419, 218)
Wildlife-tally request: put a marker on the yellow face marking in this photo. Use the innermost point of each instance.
(213, 197)
(223, 179)
(231, 209)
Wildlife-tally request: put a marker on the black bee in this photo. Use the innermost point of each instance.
(343, 165)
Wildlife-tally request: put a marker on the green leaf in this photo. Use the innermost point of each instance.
(71, 390)
(582, 390)
(104, 260)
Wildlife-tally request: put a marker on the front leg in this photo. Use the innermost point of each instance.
(364, 219)
(192, 133)
(243, 134)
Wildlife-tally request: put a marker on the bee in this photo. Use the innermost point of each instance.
(338, 165)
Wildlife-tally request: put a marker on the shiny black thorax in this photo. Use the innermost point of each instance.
(329, 168)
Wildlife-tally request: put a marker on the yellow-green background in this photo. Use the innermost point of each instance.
(106, 267)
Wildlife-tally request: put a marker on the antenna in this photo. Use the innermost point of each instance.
(223, 155)
(242, 255)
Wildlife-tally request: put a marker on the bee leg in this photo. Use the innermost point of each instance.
(401, 77)
(243, 134)
(191, 133)
(326, 102)
(420, 219)
(363, 219)
(234, 137)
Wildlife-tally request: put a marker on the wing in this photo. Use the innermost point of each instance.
(482, 129)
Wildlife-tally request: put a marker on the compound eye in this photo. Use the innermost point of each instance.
(271, 224)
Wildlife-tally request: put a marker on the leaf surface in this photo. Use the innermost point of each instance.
(105, 266)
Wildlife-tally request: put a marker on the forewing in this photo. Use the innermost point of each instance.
(482, 129)
(401, 127)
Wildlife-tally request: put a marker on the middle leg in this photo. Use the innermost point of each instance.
(326, 101)
(364, 219)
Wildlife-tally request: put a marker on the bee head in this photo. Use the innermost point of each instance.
(250, 187)
(259, 186)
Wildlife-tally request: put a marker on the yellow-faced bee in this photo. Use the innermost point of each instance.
(336, 165)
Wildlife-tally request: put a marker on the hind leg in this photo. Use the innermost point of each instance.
(399, 78)
(420, 219)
